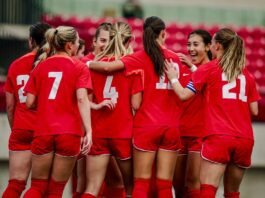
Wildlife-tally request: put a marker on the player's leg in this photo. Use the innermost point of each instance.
(114, 181)
(19, 162)
(67, 148)
(42, 159)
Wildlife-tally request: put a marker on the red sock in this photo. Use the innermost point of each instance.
(115, 192)
(14, 189)
(77, 195)
(141, 188)
(164, 188)
(56, 188)
(38, 188)
(193, 193)
(232, 195)
(208, 191)
(88, 195)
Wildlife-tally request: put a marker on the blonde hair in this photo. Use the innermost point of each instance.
(56, 38)
(233, 59)
(120, 34)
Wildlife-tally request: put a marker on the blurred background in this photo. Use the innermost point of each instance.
(246, 17)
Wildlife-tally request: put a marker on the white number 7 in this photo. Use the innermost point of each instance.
(56, 83)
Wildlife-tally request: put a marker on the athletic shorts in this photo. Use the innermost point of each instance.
(224, 149)
(120, 148)
(65, 145)
(20, 140)
(153, 138)
(190, 144)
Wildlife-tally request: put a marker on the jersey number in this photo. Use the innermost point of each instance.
(161, 84)
(56, 83)
(22, 80)
(226, 89)
(110, 92)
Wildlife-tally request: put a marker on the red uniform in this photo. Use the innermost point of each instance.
(24, 119)
(227, 114)
(160, 106)
(192, 119)
(58, 126)
(89, 57)
(116, 123)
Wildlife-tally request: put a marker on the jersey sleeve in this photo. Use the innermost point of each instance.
(253, 92)
(136, 83)
(200, 77)
(133, 64)
(84, 78)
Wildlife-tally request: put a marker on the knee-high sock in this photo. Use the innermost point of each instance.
(164, 188)
(38, 188)
(141, 188)
(193, 193)
(14, 189)
(88, 195)
(115, 192)
(56, 188)
(208, 191)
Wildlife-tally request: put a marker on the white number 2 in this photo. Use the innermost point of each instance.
(22, 80)
(56, 83)
(110, 92)
(227, 94)
(161, 84)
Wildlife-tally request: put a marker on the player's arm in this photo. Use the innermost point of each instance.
(106, 67)
(31, 101)
(10, 107)
(254, 110)
(84, 110)
(136, 101)
(172, 74)
(105, 103)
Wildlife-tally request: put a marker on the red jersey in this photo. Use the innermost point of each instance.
(54, 82)
(227, 109)
(192, 116)
(18, 75)
(89, 57)
(160, 105)
(116, 123)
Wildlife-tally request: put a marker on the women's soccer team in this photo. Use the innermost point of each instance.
(151, 123)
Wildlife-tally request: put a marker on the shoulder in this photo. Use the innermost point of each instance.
(25, 59)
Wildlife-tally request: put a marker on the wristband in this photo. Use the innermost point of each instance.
(193, 68)
(88, 62)
(174, 80)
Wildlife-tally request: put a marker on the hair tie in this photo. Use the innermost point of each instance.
(56, 31)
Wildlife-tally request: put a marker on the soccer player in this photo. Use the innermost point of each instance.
(187, 173)
(58, 87)
(81, 49)
(155, 134)
(231, 95)
(112, 128)
(21, 120)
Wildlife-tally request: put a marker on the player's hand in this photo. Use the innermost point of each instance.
(106, 103)
(184, 59)
(170, 70)
(86, 143)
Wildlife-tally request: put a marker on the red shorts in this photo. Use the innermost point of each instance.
(154, 138)
(190, 144)
(20, 140)
(224, 149)
(120, 148)
(64, 145)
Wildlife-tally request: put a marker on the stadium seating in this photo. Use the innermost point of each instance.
(254, 38)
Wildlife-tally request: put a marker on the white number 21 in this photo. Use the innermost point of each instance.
(226, 89)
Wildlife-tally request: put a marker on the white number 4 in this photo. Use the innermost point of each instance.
(56, 83)
(226, 89)
(110, 92)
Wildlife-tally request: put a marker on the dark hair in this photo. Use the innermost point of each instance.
(206, 37)
(81, 44)
(37, 33)
(152, 28)
(103, 26)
